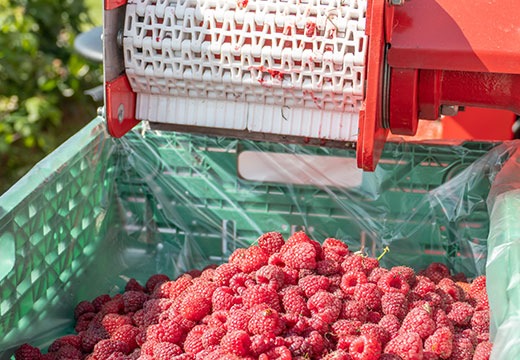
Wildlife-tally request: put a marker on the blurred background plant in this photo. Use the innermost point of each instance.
(42, 79)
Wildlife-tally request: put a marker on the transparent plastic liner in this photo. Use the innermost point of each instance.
(160, 202)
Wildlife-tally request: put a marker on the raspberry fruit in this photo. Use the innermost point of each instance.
(299, 255)
(193, 343)
(462, 348)
(71, 340)
(271, 242)
(325, 306)
(436, 272)
(155, 280)
(166, 351)
(134, 300)
(265, 321)
(368, 294)
(354, 310)
(223, 299)
(127, 334)
(350, 280)
(311, 284)
(82, 308)
(461, 313)
(334, 249)
(423, 286)
(391, 324)
(418, 320)
(212, 337)
(195, 306)
(407, 273)
(133, 285)
(259, 294)
(393, 282)
(407, 345)
(327, 267)
(365, 348)
(477, 288)
(376, 331)
(105, 348)
(343, 328)
(449, 287)
(483, 351)
(440, 343)
(293, 301)
(394, 303)
(91, 337)
(224, 273)
(27, 352)
(480, 321)
(237, 342)
(112, 322)
(253, 259)
(338, 355)
(238, 320)
(270, 275)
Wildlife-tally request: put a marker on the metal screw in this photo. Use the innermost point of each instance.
(396, 2)
(449, 110)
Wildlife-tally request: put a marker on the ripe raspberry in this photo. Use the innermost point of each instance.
(327, 267)
(238, 320)
(298, 237)
(374, 317)
(368, 264)
(71, 340)
(436, 272)
(477, 287)
(138, 318)
(261, 344)
(315, 344)
(391, 324)
(155, 280)
(376, 274)
(153, 308)
(450, 288)
(127, 334)
(393, 282)
(270, 275)
(84, 321)
(133, 300)
(407, 273)
(66, 352)
(423, 286)
(293, 301)
(440, 343)
(240, 281)
(299, 255)
(291, 275)
(259, 294)
(434, 300)
(82, 308)
(133, 285)
(441, 319)
(317, 322)
(236, 342)
(480, 321)
(168, 331)
(394, 303)
(91, 337)
(212, 337)
(342, 328)
(462, 348)
(27, 352)
(469, 334)
(193, 343)
(334, 249)
(195, 306)
(418, 320)
(368, 294)
(271, 242)
(104, 348)
(216, 319)
(223, 299)
(112, 322)
(165, 350)
(338, 355)
(376, 331)
(461, 313)
(253, 259)
(277, 352)
(325, 306)
(353, 263)
(365, 348)
(114, 306)
(344, 342)
(483, 351)
(407, 345)
(100, 300)
(202, 287)
(311, 284)
(350, 280)
(354, 310)
(224, 273)
(265, 321)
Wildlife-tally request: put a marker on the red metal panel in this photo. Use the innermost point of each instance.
(120, 106)
(403, 101)
(112, 4)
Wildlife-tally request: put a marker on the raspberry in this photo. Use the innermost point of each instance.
(365, 348)
(291, 275)
(338, 355)
(223, 299)
(100, 300)
(440, 343)
(393, 282)
(375, 331)
(104, 348)
(68, 352)
(483, 351)
(84, 321)
(469, 334)
(133, 300)
(170, 331)
(153, 308)
(368, 294)
(374, 317)
(353, 263)
(327, 267)
(315, 344)
(325, 305)
(334, 249)
(253, 259)
(407, 345)
(239, 282)
(270, 275)
(350, 280)
(376, 274)
(133, 285)
(236, 342)
(224, 273)
(202, 287)
(418, 320)
(195, 306)
(368, 264)
(71, 340)
(114, 306)
(407, 273)
(278, 353)
(299, 255)
(265, 321)
(112, 322)
(317, 323)
(450, 288)
(82, 308)
(127, 334)
(27, 352)
(423, 286)
(138, 318)
(342, 327)
(155, 280)
(344, 342)
(391, 324)
(193, 343)
(259, 294)
(461, 313)
(441, 319)
(212, 337)
(91, 337)
(238, 320)
(271, 242)
(436, 272)
(261, 344)
(354, 310)
(480, 321)
(477, 288)
(311, 284)
(298, 237)
(394, 303)
(462, 348)
(165, 350)
(435, 300)
(293, 301)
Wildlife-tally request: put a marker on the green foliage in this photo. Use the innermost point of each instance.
(41, 79)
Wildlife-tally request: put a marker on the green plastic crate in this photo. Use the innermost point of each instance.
(99, 211)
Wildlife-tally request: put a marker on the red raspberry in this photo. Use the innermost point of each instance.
(354, 310)
(165, 350)
(99, 301)
(84, 321)
(353, 263)
(342, 327)
(368, 264)
(365, 348)
(482, 303)
(193, 343)
(270, 275)
(291, 275)
(104, 348)
(407, 345)
(259, 294)
(368, 294)
(315, 343)
(393, 282)
(265, 321)
(451, 289)
(127, 334)
(311, 284)
(469, 334)
(223, 299)
(437, 271)
(350, 280)
(138, 318)
(153, 308)
(327, 267)
(253, 259)
(133, 285)
(462, 348)
(338, 355)
(224, 273)
(394, 303)
(195, 306)
(261, 344)
(271, 242)
(295, 344)
(334, 249)
(155, 280)
(418, 320)
(480, 321)
(423, 286)
(278, 353)
(376, 331)
(238, 320)
(27, 352)
(67, 352)
(169, 331)
(318, 323)
(71, 340)
(134, 300)
(440, 343)
(483, 351)
(434, 300)
(212, 337)
(202, 287)
(344, 342)
(374, 317)
(325, 306)
(441, 319)
(376, 274)
(236, 342)
(386, 356)
(112, 322)
(461, 313)
(407, 273)
(240, 281)
(298, 237)
(216, 319)
(91, 337)
(477, 287)
(391, 324)
(299, 255)
(293, 301)
(82, 308)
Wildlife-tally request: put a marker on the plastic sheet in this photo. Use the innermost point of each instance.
(100, 211)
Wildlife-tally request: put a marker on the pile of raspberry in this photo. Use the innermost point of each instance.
(294, 299)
